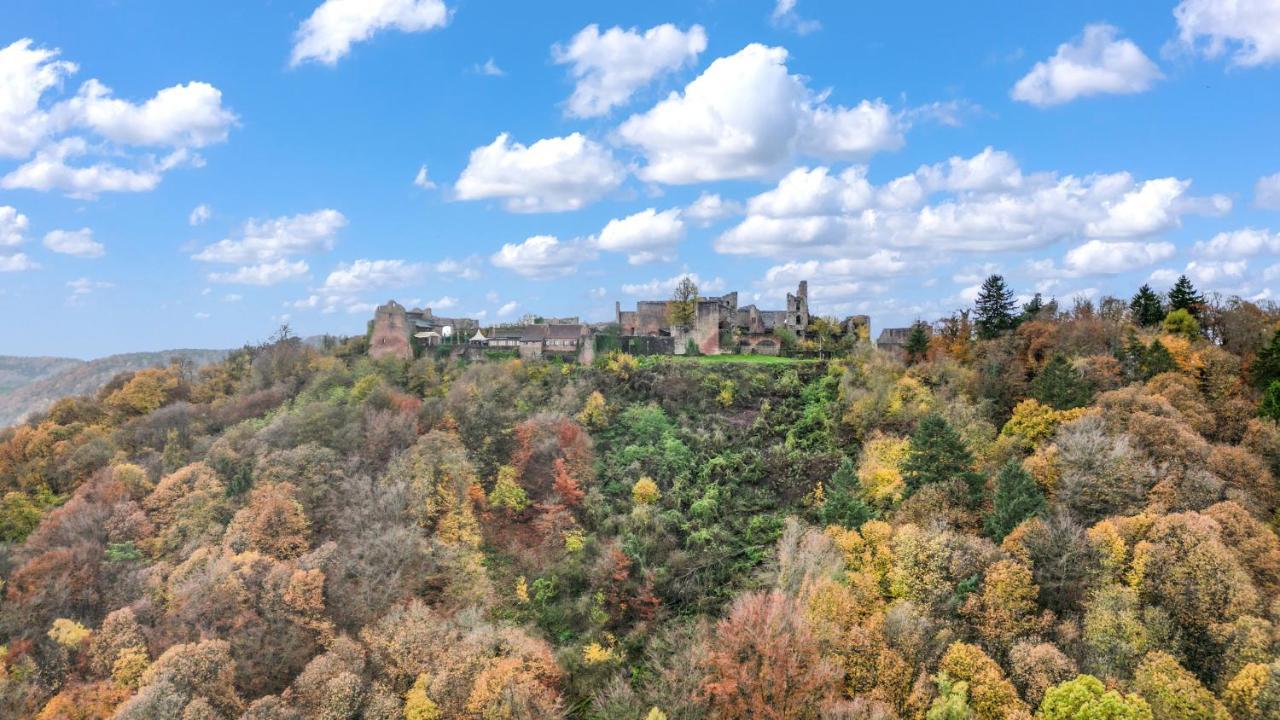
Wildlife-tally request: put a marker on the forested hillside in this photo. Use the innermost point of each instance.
(32, 384)
(1038, 511)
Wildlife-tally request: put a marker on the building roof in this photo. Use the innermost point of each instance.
(564, 332)
(478, 337)
(427, 334)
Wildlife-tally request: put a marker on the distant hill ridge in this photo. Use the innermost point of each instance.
(31, 384)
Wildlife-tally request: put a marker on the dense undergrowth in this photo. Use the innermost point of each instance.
(1074, 517)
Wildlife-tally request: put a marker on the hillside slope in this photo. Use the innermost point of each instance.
(31, 384)
(1074, 517)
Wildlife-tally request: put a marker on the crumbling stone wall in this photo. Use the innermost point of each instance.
(390, 333)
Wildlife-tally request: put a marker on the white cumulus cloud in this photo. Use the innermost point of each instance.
(662, 289)
(984, 203)
(611, 66)
(1100, 257)
(542, 257)
(328, 34)
(1099, 63)
(78, 243)
(747, 116)
(551, 175)
(200, 214)
(17, 262)
(172, 124)
(784, 16)
(13, 227)
(1251, 28)
(422, 180)
(261, 241)
(646, 236)
(1266, 193)
(710, 207)
(269, 273)
(1240, 243)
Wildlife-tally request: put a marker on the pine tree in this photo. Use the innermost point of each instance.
(1157, 360)
(1184, 296)
(994, 308)
(1270, 406)
(1017, 498)
(1146, 308)
(1266, 365)
(844, 505)
(917, 342)
(1033, 307)
(938, 454)
(1060, 385)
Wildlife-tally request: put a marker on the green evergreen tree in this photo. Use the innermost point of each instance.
(994, 308)
(1032, 308)
(1156, 360)
(938, 454)
(1060, 385)
(1184, 296)
(1266, 365)
(1146, 308)
(844, 505)
(1017, 498)
(917, 342)
(1270, 406)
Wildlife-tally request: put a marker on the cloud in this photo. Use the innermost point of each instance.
(189, 115)
(646, 236)
(489, 68)
(232, 298)
(328, 34)
(1098, 64)
(360, 276)
(442, 303)
(745, 116)
(507, 309)
(264, 241)
(1099, 257)
(422, 180)
(82, 287)
(199, 215)
(835, 279)
(176, 120)
(1266, 193)
(784, 16)
(269, 273)
(465, 269)
(984, 203)
(1211, 272)
(17, 262)
(201, 316)
(1240, 243)
(551, 175)
(13, 227)
(49, 170)
(542, 257)
(610, 67)
(663, 288)
(710, 207)
(25, 74)
(77, 243)
(1250, 27)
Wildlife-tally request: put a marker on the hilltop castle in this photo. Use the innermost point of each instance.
(719, 326)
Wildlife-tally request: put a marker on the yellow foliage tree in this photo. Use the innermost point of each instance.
(880, 469)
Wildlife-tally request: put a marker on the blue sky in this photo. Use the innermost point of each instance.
(191, 174)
